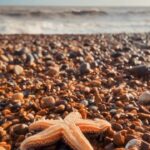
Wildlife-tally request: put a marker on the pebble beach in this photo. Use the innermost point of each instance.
(104, 76)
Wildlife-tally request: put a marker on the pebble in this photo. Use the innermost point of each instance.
(18, 69)
(119, 138)
(117, 126)
(85, 68)
(60, 108)
(133, 143)
(47, 102)
(18, 96)
(53, 71)
(4, 146)
(140, 71)
(18, 129)
(85, 102)
(145, 98)
(94, 108)
(146, 137)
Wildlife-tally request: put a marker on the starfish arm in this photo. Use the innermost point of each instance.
(73, 116)
(92, 125)
(46, 137)
(75, 138)
(42, 124)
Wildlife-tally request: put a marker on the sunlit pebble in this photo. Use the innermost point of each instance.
(18, 96)
(133, 143)
(18, 69)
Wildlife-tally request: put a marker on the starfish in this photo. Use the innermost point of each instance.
(70, 129)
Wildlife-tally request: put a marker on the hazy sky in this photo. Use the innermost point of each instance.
(78, 2)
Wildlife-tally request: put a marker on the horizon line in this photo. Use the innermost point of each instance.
(74, 5)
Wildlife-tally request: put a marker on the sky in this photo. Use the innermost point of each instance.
(78, 2)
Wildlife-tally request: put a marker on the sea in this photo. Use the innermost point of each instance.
(73, 20)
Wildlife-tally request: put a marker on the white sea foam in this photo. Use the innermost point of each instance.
(73, 20)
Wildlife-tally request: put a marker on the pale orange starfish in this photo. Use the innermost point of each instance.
(70, 129)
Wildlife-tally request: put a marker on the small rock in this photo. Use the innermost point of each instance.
(18, 129)
(18, 96)
(60, 108)
(134, 143)
(146, 137)
(140, 71)
(145, 98)
(145, 146)
(53, 71)
(4, 58)
(2, 133)
(18, 69)
(4, 146)
(30, 58)
(119, 138)
(117, 126)
(85, 68)
(94, 108)
(47, 102)
(85, 102)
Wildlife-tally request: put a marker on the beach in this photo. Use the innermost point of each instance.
(104, 76)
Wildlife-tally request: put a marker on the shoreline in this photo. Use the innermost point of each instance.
(99, 75)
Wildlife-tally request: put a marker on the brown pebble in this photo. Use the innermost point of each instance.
(119, 138)
(47, 102)
(145, 98)
(53, 71)
(60, 108)
(18, 69)
(18, 129)
(4, 146)
(2, 132)
(146, 137)
(145, 146)
(117, 126)
(144, 116)
(18, 96)
(109, 146)
(7, 124)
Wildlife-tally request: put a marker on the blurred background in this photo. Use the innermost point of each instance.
(74, 16)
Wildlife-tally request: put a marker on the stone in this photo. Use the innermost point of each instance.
(134, 143)
(4, 146)
(85, 102)
(18, 69)
(18, 96)
(60, 108)
(18, 129)
(117, 126)
(145, 98)
(85, 68)
(53, 71)
(119, 138)
(47, 102)
(146, 137)
(140, 70)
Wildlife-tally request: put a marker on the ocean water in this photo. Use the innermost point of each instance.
(73, 20)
